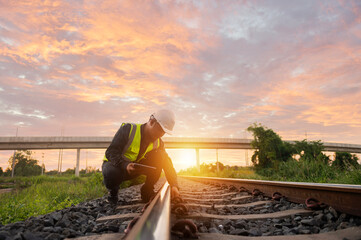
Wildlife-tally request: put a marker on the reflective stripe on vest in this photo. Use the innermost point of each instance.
(131, 149)
(130, 139)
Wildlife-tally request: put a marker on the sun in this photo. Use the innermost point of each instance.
(183, 158)
(188, 157)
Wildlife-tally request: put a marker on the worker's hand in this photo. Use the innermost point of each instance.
(175, 192)
(132, 170)
(137, 169)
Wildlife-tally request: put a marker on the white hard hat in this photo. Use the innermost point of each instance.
(166, 120)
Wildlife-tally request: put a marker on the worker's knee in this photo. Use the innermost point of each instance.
(112, 176)
(154, 159)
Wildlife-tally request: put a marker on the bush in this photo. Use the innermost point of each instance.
(310, 151)
(345, 161)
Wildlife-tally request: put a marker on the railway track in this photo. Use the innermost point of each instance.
(209, 209)
(232, 209)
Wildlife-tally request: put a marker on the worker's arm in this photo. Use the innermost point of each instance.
(115, 149)
(169, 171)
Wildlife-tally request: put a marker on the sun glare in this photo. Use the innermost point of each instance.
(188, 157)
(183, 158)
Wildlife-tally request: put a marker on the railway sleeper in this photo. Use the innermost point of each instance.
(352, 233)
(192, 195)
(288, 221)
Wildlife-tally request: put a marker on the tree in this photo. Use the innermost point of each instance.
(310, 151)
(213, 167)
(7, 173)
(52, 172)
(25, 164)
(270, 149)
(69, 171)
(1, 171)
(345, 160)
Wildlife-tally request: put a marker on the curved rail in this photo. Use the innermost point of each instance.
(154, 223)
(344, 198)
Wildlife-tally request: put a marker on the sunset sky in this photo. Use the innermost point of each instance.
(87, 66)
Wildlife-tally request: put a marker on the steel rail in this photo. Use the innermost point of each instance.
(154, 223)
(344, 198)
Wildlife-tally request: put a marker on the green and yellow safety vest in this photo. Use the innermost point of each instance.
(131, 149)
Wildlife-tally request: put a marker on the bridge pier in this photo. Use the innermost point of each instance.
(77, 162)
(217, 160)
(197, 158)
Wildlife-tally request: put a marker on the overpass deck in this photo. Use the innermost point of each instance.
(21, 143)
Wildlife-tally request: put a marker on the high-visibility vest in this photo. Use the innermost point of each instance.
(131, 149)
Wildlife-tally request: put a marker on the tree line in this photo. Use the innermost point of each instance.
(271, 151)
(27, 165)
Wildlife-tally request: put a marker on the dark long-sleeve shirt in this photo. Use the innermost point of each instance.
(115, 149)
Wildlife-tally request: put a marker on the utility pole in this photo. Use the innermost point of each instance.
(13, 165)
(217, 161)
(42, 166)
(197, 159)
(60, 161)
(246, 150)
(77, 162)
(246, 157)
(86, 162)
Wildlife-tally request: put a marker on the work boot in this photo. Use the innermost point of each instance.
(113, 197)
(147, 193)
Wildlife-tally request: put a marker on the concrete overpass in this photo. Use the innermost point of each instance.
(23, 143)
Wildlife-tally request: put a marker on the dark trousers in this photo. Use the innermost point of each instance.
(114, 176)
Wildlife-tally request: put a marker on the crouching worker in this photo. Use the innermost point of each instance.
(140, 143)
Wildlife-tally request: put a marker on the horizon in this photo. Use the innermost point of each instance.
(95, 158)
(231, 157)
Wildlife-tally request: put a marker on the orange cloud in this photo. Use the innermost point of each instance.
(319, 90)
(142, 48)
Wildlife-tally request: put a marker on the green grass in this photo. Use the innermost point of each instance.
(303, 171)
(40, 195)
(313, 171)
(290, 171)
(43, 194)
(239, 172)
(24, 182)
